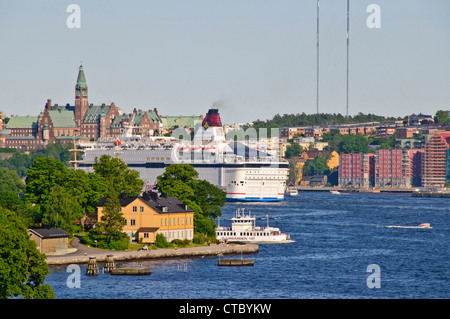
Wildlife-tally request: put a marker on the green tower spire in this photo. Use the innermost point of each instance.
(81, 88)
(81, 80)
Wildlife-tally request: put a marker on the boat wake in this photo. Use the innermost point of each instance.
(421, 226)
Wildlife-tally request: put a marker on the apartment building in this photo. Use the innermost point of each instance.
(436, 164)
(356, 170)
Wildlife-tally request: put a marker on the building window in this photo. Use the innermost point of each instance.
(141, 209)
(146, 235)
(133, 222)
(134, 209)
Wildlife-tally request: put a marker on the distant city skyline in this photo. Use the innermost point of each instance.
(252, 59)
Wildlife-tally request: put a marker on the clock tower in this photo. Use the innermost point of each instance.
(81, 97)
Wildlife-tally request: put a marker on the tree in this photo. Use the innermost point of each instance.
(120, 177)
(10, 181)
(294, 171)
(10, 200)
(88, 189)
(22, 266)
(41, 177)
(205, 199)
(353, 143)
(442, 117)
(293, 150)
(209, 198)
(317, 166)
(62, 210)
(109, 232)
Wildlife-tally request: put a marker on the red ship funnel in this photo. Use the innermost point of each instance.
(212, 119)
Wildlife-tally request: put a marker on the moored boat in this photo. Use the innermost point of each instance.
(291, 191)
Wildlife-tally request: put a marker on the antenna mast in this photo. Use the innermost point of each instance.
(348, 42)
(317, 94)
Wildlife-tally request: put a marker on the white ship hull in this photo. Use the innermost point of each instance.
(242, 181)
(253, 239)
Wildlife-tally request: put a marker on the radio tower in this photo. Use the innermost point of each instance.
(317, 93)
(348, 42)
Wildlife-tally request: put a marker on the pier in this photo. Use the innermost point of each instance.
(190, 252)
(131, 271)
(436, 194)
(235, 262)
(355, 190)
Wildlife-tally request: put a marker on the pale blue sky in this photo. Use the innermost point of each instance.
(254, 58)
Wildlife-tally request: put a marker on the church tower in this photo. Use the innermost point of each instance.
(81, 97)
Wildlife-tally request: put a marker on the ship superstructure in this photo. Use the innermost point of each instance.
(245, 173)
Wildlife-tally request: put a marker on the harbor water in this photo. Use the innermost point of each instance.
(342, 249)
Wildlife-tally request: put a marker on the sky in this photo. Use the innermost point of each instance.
(252, 59)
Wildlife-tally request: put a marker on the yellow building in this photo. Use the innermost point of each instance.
(149, 215)
(333, 162)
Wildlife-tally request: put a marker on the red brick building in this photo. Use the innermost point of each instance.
(435, 169)
(356, 170)
(82, 121)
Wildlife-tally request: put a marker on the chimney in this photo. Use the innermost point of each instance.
(154, 196)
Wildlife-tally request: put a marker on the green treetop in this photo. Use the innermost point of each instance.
(205, 199)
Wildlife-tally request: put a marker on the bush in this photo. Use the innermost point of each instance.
(94, 235)
(201, 239)
(121, 244)
(161, 241)
(181, 243)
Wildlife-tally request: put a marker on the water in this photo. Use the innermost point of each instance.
(336, 238)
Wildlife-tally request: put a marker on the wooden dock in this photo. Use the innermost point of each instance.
(235, 262)
(131, 271)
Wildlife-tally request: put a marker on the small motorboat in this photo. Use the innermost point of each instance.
(291, 191)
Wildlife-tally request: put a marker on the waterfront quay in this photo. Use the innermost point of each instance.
(355, 190)
(81, 257)
(415, 192)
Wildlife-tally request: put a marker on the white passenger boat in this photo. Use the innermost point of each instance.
(291, 191)
(244, 230)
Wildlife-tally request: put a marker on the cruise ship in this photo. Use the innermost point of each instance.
(244, 172)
